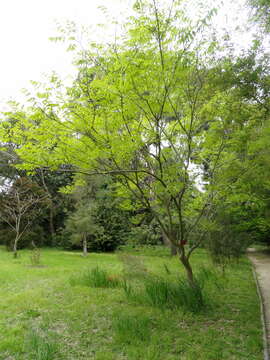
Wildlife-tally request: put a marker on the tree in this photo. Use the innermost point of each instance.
(58, 204)
(98, 221)
(248, 80)
(20, 204)
(146, 112)
(261, 10)
(81, 224)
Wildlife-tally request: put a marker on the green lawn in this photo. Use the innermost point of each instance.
(45, 315)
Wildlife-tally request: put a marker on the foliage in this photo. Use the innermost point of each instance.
(230, 236)
(261, 13)
(139, 112)
(171, 119)
(21, 203)
(82, 226)
(145, 235)
(35, 234)
(97, 216)
(52, 182)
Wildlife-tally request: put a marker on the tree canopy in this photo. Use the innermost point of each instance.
(162, 111)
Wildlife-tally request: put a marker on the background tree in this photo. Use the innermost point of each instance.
(21, 203)
(58, 203)
(100, 221)
(261, 13)
(82, 226)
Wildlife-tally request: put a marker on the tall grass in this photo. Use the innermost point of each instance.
(131, 329)
(95, 278)
(173, 293)
(40, 347)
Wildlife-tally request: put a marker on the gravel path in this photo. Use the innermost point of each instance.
(261, 262)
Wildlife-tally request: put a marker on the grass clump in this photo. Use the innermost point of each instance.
(163, 293)
(40, 347)
(173, 293)
(96, 278)
(130, 329)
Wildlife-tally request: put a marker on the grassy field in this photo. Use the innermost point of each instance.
(53, 312)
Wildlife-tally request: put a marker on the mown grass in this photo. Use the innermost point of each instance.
(44, 316)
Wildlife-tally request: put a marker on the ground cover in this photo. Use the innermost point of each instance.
(55, 312)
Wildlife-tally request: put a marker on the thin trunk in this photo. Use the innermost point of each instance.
(173, 250)
(168, 243)
(15, 251)
(85, 253)
(185, 261)
(52, 230)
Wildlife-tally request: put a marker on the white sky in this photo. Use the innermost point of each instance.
(25, 28)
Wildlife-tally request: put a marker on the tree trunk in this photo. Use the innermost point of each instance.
(85, 253)
(168, 243)
(51, 224)
(15, 251)
(185, 261)
(173, 250)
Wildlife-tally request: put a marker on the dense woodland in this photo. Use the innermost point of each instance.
(163, 138)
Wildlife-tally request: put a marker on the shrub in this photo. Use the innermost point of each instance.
(227, 245)
(35, 234)
(145, 235)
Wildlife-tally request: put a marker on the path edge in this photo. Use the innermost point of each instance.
(262, 307)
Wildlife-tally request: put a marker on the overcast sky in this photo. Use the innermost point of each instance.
(25, 28)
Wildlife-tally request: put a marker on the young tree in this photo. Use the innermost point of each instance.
(81, 225)
(97, 217)
(20, 204)
(146, 111)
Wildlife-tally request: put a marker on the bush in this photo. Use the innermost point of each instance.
(34, 234)
(103, 242)
(227, 245)
(145, 235)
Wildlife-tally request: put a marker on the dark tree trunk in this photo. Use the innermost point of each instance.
(52, 229)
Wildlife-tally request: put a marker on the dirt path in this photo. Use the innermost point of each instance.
(261, 262)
